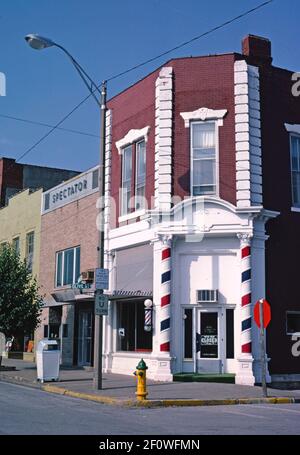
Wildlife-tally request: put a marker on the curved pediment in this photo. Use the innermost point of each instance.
(205, 215)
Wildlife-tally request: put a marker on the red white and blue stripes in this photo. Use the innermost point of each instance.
(165, 303)
(246, 341)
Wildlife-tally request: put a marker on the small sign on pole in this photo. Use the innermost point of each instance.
(262, 317)
(101, 304)
(102, 279)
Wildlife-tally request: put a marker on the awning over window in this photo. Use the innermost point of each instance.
(134, 272)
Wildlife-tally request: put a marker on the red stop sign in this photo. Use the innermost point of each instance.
(266, 313)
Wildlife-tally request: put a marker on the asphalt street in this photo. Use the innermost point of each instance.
(34, 412)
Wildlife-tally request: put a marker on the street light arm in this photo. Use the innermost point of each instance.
(93, 87)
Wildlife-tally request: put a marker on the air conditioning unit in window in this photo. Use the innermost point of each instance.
(207, 296)
(88, 276)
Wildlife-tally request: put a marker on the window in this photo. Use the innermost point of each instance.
(16, 244)
(203, 144)
(95, 179)
(46, 201)
(46, 331)
(229, 334)
(29, 250)
(295, 165)
(126, 180)
(133, 177)
(293, 322)
(140, 182)
(67, 267)
(131, 333)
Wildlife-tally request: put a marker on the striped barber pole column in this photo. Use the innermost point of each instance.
(165, 303)
(246, 342)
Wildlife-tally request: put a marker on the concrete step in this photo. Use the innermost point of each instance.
(225, 378)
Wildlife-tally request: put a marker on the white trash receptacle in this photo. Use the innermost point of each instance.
(48, 360)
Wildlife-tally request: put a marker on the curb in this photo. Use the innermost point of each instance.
(103, 399)
(227, 402)
(86, 396)
(18, 380)
(167, 403)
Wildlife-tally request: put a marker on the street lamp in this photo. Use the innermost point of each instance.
(38, 42)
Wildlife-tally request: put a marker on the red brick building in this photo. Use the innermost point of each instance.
(219, 131)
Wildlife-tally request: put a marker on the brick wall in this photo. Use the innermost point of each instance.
(278, 107)
(69, 226)
(199, 82)
(204, 82)
(11, 176)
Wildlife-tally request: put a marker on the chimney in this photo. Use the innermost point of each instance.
(258, 48)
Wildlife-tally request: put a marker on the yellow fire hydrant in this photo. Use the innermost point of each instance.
(140, 373)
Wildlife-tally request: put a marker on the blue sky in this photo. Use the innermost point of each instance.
(106, 38)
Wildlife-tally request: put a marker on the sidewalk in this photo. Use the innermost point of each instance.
(120, 389)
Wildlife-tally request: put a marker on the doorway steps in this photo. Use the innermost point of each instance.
(225, 378)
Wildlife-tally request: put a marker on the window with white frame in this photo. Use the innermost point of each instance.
(203, 151)
(126, 180)
(295, 166)
(67, 267)
(29, 250)
(140, 177)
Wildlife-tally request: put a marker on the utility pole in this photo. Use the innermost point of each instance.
(98, 345)
(263, 350)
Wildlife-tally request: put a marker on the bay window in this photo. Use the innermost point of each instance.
(203, 150)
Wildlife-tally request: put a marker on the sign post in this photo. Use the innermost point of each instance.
(262, 317)
(98, 348)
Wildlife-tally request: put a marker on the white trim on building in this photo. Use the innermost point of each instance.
(248, 134)
(163, 139)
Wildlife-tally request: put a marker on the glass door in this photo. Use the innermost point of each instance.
(208, 341)
(85, 338)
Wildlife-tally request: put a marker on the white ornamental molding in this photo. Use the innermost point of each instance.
(204, 114)
(131, 137)
(247, 135)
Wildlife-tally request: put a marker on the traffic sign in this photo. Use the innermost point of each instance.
(81, 286)
(101, 279)
(266, 310)
(101, 304)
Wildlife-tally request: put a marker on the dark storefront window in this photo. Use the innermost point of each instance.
(46, 331)
(131, 334)
(230, 334)
(188, 333)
